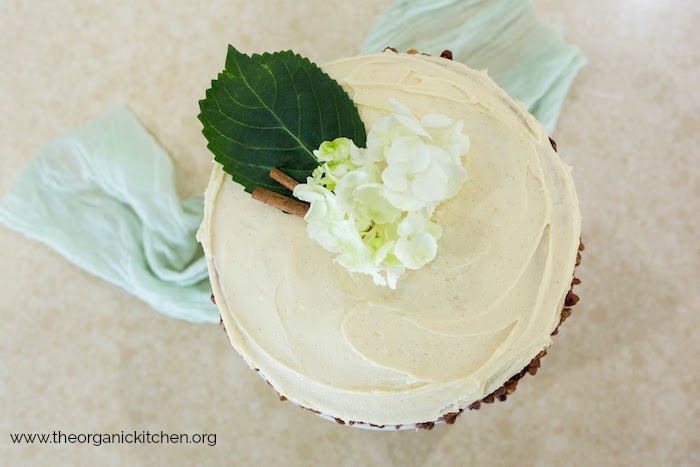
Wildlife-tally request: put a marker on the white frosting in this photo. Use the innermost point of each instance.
(454, 330)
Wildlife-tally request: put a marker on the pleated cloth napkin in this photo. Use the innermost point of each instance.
(103, 195)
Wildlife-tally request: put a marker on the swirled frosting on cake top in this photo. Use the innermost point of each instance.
(454, 330)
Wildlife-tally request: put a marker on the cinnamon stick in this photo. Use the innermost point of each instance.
(289, 205)
(283, 179)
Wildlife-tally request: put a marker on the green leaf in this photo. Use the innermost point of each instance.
(273, 110)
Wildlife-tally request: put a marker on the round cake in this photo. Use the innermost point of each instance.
(461, 329)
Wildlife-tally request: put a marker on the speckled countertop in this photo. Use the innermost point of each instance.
(620, 385)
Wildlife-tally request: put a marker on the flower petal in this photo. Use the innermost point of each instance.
(416, 252)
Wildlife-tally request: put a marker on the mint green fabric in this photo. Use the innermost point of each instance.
(103, 195)
(526, 56)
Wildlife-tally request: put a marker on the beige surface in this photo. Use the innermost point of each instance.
(619, 387)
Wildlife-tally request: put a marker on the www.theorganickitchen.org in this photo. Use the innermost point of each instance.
(125, 437)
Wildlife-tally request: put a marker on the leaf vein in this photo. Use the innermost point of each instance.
(271, 111)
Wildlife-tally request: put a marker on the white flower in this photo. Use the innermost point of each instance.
(373, 206)
(353, 252)
(447, 134)
(337, 158)
(388, 129)
(324, 204)
(345, 188)
(362, 194)
(424, 166)
(417, 244)
(333, 151)
(420, 175)
(380, 240)
(322, 215)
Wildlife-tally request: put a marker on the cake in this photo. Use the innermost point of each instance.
(462, 329)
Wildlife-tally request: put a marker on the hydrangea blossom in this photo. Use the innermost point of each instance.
(373, 206)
